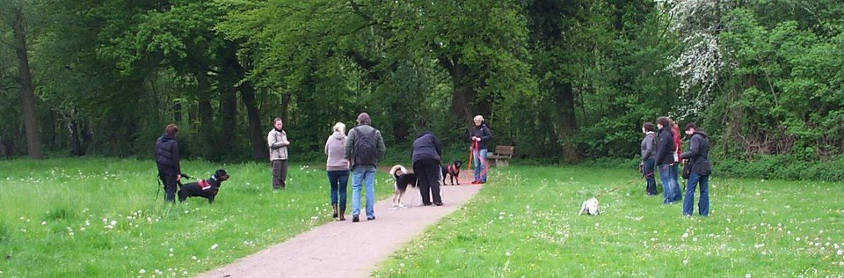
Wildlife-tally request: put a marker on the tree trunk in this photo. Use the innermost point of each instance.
(33, 141)
(259, 146)
(567, 127)
(206, 118)
(462, 92)
(228, 116)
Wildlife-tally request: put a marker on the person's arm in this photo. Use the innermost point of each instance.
(350, 143)
(176, 159)
(486, 134)
(694, 148)
(271, 141)
(284, 141)
(661, 147)
(326, 145)
(381, 148)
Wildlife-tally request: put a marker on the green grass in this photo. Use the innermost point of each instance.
(56, 217)
(525, 224)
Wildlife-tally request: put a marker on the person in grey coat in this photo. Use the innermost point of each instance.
(647, 154)
(698, 158)
(277, 142)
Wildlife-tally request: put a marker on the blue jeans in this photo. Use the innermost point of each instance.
(338, 180)
(363, 174)
(678, 192)
(648, 169)
(479, 165)
(667, 184)
(703, 203)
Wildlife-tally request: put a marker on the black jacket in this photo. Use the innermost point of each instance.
(698, 154)
(167, 156)
(480, 131)
(665, 146)
(426, 146)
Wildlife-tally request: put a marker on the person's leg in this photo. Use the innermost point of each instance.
(333, 181)
(369, 178)
(688, 208)
(276, 174)
(665, 178)
(433, 174)
(283, 173)
(476, 164)
(485, 164)
(169, 182)
(357, 178)
(649, 177)
(678, 194)
(422, 182)
(703, 203)
(343, 179)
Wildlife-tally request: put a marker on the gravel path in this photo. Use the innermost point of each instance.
(346, 249)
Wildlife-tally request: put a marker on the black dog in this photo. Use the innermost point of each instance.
(204, 188)
(453, 170)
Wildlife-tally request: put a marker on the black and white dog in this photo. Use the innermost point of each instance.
(452, 170)
(204, 188)
(403, 179)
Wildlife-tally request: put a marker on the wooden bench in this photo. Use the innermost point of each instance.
(502, 155)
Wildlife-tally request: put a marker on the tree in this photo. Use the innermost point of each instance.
(14, 16)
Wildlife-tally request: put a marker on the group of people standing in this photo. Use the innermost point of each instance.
(356, 153)
(661, 150)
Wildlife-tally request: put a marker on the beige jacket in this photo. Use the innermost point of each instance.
(277, 141)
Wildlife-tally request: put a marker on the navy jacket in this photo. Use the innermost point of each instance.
(480, 131)
(426, 146)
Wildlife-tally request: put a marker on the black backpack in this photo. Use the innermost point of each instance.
(366, 150)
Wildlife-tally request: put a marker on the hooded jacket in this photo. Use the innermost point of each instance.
(335, 149)
(648, 151)
(665, 146)
(277, 141)
(167, 156)
(698, 154)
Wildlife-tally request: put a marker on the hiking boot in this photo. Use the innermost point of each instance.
(355, 218)
(334, 206)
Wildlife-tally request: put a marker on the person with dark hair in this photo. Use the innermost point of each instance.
(698, 158)
(647, 155)
(277, 142)
(664, 158)
(364, 146)
(426, 156)
(479, 136)
(167, 160)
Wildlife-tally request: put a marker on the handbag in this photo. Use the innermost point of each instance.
(687, 170)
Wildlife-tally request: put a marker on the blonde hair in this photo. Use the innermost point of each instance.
(340, 127)
(479, 118)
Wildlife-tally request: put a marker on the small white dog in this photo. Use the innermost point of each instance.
(590, 207)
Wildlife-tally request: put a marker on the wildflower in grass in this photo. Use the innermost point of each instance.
(142, 271)
(214, 246)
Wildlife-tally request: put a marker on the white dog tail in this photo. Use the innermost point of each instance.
(397, 168)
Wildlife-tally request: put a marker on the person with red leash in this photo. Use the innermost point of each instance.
(479, 136)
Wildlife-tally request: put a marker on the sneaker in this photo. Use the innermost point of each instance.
(370, 218)
(355, 218)
(438, 204)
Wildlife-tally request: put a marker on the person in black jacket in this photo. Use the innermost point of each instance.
(664, 158)
(426, 157)
(167, 159)
(479, 136)
(698, 158)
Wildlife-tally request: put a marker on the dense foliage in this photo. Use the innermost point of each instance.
(564, 79)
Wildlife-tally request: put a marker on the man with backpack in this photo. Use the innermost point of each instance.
(364, 146)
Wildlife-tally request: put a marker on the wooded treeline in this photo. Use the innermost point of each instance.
(567, 79)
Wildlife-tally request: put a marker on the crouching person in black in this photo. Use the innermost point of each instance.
(167, 158)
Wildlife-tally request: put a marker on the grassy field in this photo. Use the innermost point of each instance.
(525, 224)
(98, 217)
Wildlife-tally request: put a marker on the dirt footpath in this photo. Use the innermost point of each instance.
(346, 249)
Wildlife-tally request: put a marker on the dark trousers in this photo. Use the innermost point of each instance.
(338, 181)
(169, 181)
(648, 172)
(428, 179)
(279, 173)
